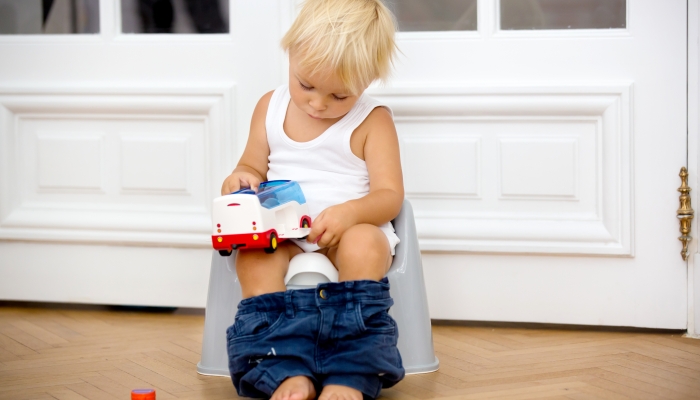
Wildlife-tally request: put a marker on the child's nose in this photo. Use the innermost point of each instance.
(317, 104)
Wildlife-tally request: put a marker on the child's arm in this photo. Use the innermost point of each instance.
(383, 202)
(252, 167)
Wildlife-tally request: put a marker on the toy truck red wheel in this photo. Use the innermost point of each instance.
(273, 244)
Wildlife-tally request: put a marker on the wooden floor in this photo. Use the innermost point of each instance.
(64, 352)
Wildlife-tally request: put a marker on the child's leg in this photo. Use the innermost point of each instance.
(363, 253)
(356, 353)
(261, 273)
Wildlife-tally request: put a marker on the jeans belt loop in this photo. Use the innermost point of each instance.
(289, 305)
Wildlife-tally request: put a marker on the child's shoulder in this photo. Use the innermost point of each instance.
(377, 130)
(261, 107)
(265, 99)
(378, 119)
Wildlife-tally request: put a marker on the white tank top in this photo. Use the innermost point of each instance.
(325, 167)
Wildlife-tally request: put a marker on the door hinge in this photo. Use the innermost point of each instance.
(685, 213)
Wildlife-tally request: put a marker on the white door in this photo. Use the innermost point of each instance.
(114, 142)
(541, 152)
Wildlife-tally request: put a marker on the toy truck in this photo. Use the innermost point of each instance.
(262, 219)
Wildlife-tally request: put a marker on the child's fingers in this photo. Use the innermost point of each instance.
(315, 234)
(324, 240)
(317, 230)
(251, 181)
(228, 187)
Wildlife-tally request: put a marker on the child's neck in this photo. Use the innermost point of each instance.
(300, 127)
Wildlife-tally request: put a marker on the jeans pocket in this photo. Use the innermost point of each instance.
(253, 325)
(375, 318)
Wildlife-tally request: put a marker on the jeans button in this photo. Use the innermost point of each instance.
(322, 293)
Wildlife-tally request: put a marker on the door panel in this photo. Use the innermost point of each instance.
(543, 167)
(114, 144)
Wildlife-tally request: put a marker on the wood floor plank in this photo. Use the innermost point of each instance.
(27, 393)
(666, 353)
(27, 340)
(551, 355)
(92, 392)
(462, 354)
(619, 388)
(180, 352)
(393, 394)
(585, 347)
(682, 389)
(639, 387)
(166, 370)
(470, 339)
(447, 359)
(661, 365)
(51, 371)
(14, 347)
(669, 375)
(188, 343)
(38, 332)
(533, 364)
(679, 343)
(107, 385)
(597, 392)
(152, 377)
(34, 382)
(210, 393)
(178, 363)
(6, 355)
(65, 393)
(531, 392)
(432, 385)
(49, 324)
(136, 382)
(449, 342)
(527, 377)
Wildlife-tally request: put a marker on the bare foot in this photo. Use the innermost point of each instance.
(338, 392)
(295, 388)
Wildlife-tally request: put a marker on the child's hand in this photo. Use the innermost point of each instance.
(329, 226)
(239, 179)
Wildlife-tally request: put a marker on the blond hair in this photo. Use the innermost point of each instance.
(354, 38)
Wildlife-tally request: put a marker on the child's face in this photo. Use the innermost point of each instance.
(321, 95)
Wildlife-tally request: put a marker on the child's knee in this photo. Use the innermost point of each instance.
(367, 238)
(363, 253)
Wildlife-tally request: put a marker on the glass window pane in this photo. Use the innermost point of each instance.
(174, 16)
(434, 15)
(28, 17)
(563, 14)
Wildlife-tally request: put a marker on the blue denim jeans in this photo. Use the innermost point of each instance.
(338, 333)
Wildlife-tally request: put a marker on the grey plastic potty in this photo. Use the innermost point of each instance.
(410, 308)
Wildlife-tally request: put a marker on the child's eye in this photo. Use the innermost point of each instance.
(304, 87)
(339, 98)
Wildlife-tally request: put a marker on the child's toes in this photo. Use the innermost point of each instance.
(339, 392)
(295, 388)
